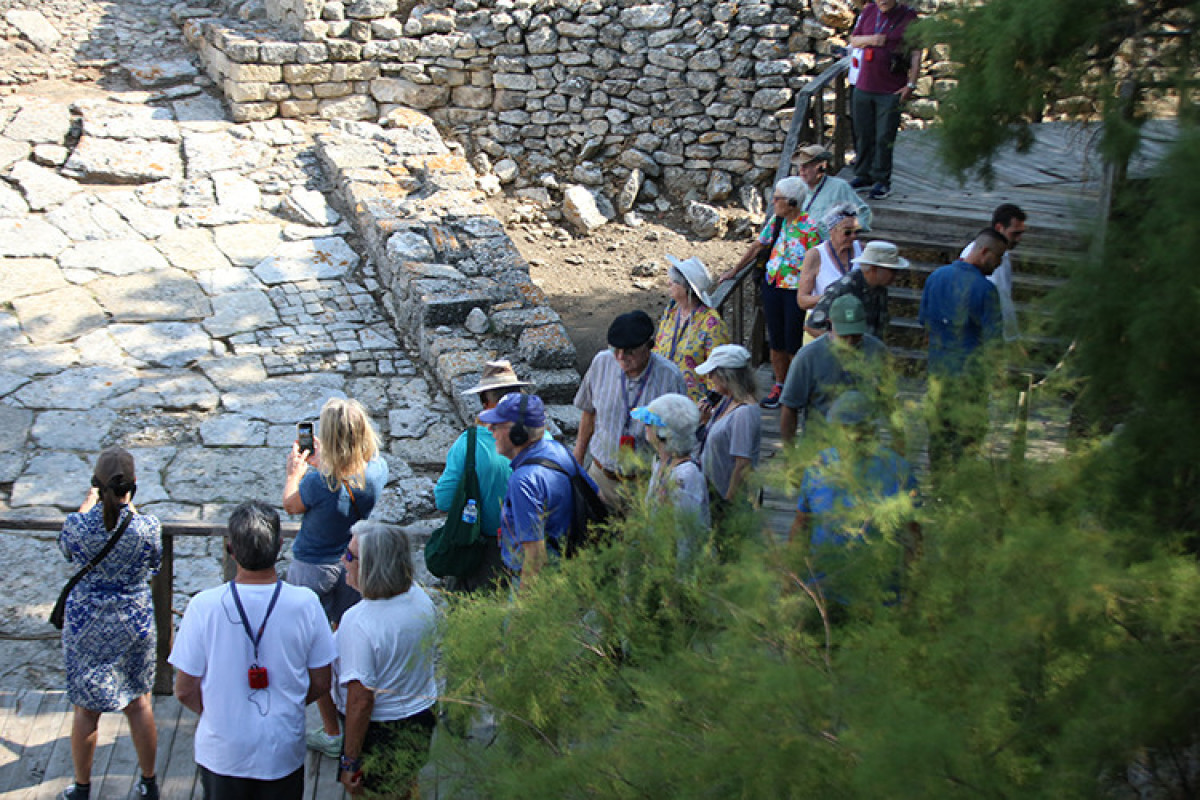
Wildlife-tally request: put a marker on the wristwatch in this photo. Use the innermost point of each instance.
(348, 764)
(912, 86)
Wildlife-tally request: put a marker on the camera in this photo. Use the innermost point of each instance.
(258, 677)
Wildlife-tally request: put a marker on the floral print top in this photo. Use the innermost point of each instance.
(687, 341)
(787, 256)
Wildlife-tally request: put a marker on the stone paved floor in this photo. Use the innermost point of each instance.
(179, 285)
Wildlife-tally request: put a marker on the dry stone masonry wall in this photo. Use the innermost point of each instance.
(696, 96)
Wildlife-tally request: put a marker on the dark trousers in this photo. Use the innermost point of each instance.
(225, 787)
(876, 123)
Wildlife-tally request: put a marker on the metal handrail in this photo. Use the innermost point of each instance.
(729, 297)
(162, 586)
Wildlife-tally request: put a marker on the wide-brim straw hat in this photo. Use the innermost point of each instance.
(881, 254)
(497, 375)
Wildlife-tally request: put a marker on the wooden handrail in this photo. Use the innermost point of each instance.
(162, 586)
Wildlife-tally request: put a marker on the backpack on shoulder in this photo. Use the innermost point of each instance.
(589, 512)
(457, 548)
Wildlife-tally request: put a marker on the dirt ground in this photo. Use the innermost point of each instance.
(591, 279)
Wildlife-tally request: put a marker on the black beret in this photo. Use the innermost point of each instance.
(630, 330)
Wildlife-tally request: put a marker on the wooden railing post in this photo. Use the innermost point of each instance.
(161, 589)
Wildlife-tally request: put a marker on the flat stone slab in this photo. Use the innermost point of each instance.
(31, 237)
(308, 207)
(12, 202)
(110, 121)
(169, 295)
(230, 279)
(233, 430)
(34, 27)
(234, 372)
(148, 220)
(73, 430)
(312, 258)
(152, 74)
(43, 188)
(248, 243)
(239, 312)
(60, 480)
(117, 257)
(231, 475)
(20, 277)
(192, 249)
(15, 424)
(173, 391)
(12, 151)
(204, 108)
(151, 464)
(123, 161)
(287, 399)
(430, 449)
(58, 316)
(41, 121)
(207, 153)
(163, 344)
(84, 218)
(81, 388)
(32, 360)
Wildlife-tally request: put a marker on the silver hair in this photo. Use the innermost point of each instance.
(385, 567)
(837, 214)
(739, 382)
(681, 417)
(254, 537)
(792, 188)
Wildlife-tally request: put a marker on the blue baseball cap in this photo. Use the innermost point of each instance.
(509, 410)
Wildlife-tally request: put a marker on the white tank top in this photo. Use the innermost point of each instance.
(829, 271)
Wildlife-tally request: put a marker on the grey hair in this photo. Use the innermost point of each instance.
(681, 417)
(739, 382)
(254, 538)
(676, 276)
(385, 567)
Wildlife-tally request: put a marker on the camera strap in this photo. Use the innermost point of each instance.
(254, 640)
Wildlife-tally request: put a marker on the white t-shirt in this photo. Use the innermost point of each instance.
(244, 732)
(388, 645)
(1002, 279)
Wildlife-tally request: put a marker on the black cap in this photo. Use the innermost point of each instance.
(629, 330)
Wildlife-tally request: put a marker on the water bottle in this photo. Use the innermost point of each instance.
(470, 512)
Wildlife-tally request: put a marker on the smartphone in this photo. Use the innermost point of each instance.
(304, 436)
(713, 397)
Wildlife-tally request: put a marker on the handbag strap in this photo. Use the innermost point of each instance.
(104, 551)
(472, 437)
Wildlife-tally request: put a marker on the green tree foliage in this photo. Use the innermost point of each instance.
(1015, 58)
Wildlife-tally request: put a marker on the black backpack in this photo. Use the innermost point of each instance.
(588, 513)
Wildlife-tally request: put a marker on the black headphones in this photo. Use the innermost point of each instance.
(518, 434)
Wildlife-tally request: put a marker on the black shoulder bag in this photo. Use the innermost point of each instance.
(56, 616)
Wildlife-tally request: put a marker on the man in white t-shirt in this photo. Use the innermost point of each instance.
(249, 656)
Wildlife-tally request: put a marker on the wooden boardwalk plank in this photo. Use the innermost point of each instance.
(177, 775)
(49, 761)
(122, 769)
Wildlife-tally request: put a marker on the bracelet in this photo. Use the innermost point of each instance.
(348, 764)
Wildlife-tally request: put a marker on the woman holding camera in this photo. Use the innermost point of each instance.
(334, 487)
(108, 633)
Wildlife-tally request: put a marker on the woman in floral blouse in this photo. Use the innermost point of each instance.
(688, 329)
(786, 237)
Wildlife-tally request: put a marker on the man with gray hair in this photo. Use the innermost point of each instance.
(877, 267)
(249, 656)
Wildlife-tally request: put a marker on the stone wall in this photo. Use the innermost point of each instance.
(455, 285)
(696, 95)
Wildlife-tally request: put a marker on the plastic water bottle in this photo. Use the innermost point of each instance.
(470, 512)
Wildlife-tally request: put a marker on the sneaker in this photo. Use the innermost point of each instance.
(71, 793)
(146, 790)
(859, 182)
(317, 739)
(880, 191)
(772, 399)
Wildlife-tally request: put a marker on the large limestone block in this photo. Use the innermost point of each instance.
(113, 257)
(58, 316)
(41, 121)
(288, 399)
(329, 257)
(81, 388)
(20, 277)
(580, 209)
(239, 312)
(163, 344)
(34, 27)
(43, 188)
(124, 160)
(169, 295)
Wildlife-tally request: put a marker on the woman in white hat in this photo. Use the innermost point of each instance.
(689, 329)
(671, 421)
(733, 436)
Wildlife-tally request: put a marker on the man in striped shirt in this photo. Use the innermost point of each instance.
(620, 379)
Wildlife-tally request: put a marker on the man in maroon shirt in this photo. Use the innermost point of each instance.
(887, 78)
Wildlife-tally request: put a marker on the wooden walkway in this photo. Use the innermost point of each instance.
(35, 752)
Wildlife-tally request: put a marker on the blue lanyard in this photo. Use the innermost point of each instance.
(813, 197)
(642, 381)
(254, 640)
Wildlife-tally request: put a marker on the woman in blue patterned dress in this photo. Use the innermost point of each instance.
(108, 636)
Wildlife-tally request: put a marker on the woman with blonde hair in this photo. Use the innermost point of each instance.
(334, 487)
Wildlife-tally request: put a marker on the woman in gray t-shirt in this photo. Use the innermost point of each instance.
(734, 433)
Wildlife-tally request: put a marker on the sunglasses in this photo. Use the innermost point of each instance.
(852, 231)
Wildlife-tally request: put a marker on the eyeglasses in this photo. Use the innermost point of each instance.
(852, 231)
(349, 556)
